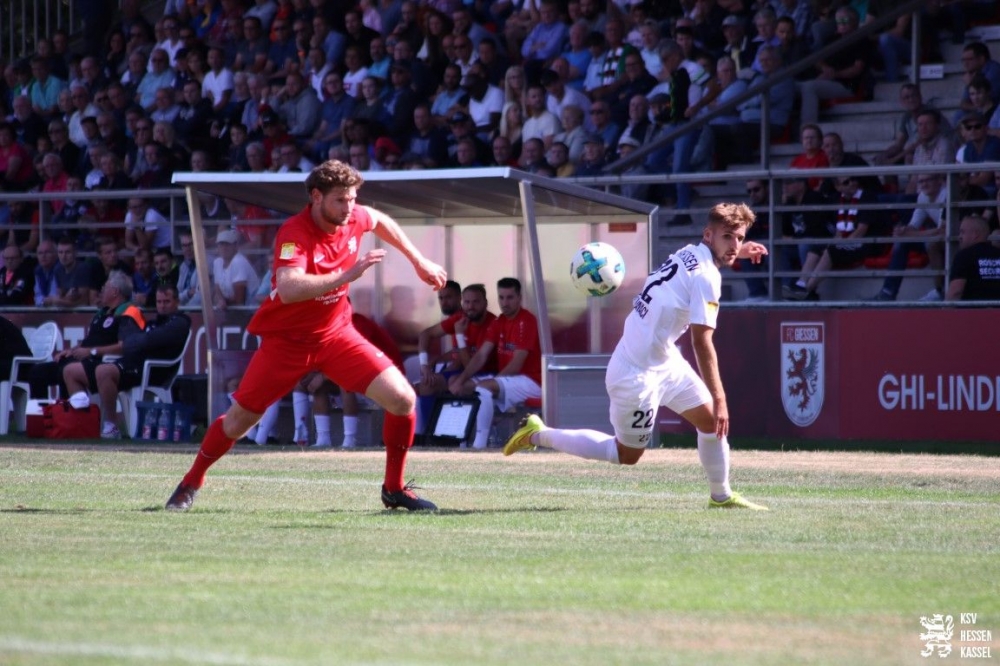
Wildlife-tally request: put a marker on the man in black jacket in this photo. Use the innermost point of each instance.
(164, 338)
(12, 343)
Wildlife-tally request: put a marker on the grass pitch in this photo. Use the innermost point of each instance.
(288, 558)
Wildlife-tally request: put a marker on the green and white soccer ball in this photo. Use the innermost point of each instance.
(597, 269)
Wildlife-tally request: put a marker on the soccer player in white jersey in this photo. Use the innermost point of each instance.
(647, 369)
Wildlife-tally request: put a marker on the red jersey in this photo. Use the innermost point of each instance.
(475, 335)
(511, 335)
(378, 336)
(301, 244)
(803, 161)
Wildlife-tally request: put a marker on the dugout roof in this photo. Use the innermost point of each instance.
(442, 196)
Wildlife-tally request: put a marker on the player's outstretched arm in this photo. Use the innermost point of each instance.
(708, 366)
(752, 251)
(294, 284)
(389, 230)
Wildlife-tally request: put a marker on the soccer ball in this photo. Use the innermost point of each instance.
(597, 269)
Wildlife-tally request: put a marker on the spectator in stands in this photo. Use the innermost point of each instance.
(298, 105)
(28, 126)
(160, 171)
(932, 145)
(252, 50)
(192, 122)
(512, 126)
(638, 191)
(70, 277)
(545, 40)
(636, 81)
(55, 180)
(17, 279)
(738, 46)
(845, 74)
(927, 226)
(145, 227)
(668, 111)
(115, 321)
(16, 173)
(980, 99)
(976, 60)
(803, 224)
(82, 107)
(515, 86)
(451, 97)
(980, 147)
(235, 279)
(540, 123)
(833, 148)
(593, 160)
(167, 109)
(781, 99)
(427, 142)
(573, 132)
(602, 124)
(558, 94)
(292, 160)
(514, 338)
(461, 127)
(610, 65)
(143, 278)
(337, 105)
(532, 157)
(503, 154)
(793, 47)
(160, 76)
(46, 286)
(578, 55)
(905, 128)
(638, 126)
(167, 270)
(649, 35)
(189, 291)
(400, 101)
(975, 270)
(853, 224)
(45, 88)
(557, 157)
(812, 155)
(485, 101)
(217, 86)
(283, 54)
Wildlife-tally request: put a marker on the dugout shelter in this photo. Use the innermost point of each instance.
(481, 225)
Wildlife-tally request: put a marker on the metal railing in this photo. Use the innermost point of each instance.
(24, 22)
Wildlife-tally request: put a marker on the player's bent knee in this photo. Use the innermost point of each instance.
(238, 421)
(628, 455)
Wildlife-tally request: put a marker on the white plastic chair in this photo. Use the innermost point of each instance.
(130, 398)
(43, 342)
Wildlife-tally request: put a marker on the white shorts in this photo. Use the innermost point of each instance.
(637, 393)
(514, 389)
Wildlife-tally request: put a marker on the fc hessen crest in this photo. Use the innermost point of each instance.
(802, 371)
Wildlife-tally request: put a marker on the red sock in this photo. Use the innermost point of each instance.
(214, 446)
(397, 432)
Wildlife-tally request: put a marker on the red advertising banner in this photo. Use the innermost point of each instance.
(863, 373)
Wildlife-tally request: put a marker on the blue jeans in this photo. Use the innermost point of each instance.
(897, 262)
(895, 53)
(756, 287)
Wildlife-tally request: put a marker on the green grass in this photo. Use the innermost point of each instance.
(288, 558)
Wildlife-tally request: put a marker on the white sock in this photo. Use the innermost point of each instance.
(589, 444)
(714, 455)
(300, 413)
(350, 431)
(108, 426)
(484, 418)
(267, 421)
(800, 283)
(322, 422)
(79, 400)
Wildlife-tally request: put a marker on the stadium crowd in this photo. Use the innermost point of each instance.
(558, 87)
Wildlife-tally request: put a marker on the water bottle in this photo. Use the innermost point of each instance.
(149, 423)
(163, 425)
(180, 425)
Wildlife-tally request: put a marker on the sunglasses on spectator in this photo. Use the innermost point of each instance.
(754, 190)
(845, 182)
(973, 126)
(843, 21)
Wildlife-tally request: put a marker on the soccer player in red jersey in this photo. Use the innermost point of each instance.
(306, 325)
(513, 336)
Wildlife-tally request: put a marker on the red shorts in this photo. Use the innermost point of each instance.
(348, 359)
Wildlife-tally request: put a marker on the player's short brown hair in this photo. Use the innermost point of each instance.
(332, 174)
(732, 215)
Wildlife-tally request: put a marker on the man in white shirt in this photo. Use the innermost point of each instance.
(647, 369)
(217, 86)
(235, 279)
(541, 123)
(145, 227)
(927, 228)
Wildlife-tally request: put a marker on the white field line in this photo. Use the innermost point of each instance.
(15, 645)
(512, 490)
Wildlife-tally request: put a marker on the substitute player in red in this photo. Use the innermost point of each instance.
(306, 325)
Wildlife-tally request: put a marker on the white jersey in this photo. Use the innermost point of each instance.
(683, 291)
